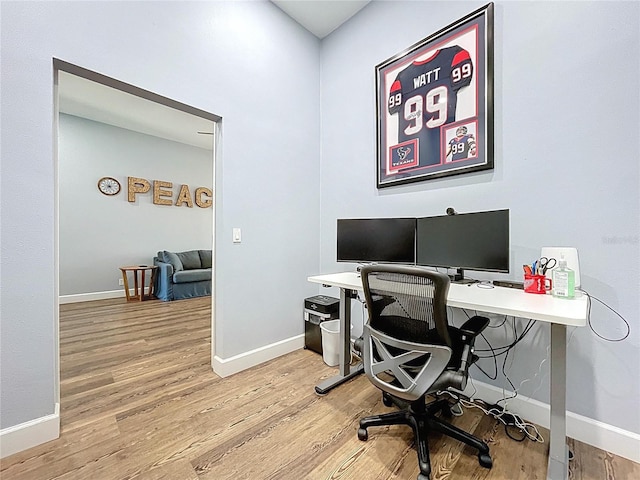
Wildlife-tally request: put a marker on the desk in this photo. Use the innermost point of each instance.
(560, 313)
(138, 287)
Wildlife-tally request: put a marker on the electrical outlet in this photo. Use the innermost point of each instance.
(121, 282)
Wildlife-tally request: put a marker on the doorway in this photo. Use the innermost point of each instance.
(98, 103)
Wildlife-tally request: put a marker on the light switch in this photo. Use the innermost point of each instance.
(237, 235)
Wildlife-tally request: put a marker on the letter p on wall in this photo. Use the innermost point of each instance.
(137, 185)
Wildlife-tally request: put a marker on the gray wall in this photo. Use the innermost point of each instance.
(566, 164)
(100, 233)
(245, 61)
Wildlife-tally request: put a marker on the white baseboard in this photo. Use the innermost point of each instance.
(30, 434)
(601, 435)
(604, 436)
(87, 297)
(228, 366)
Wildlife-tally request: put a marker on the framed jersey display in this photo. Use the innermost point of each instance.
(435, 104)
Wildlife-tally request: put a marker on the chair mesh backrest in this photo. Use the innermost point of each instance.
(406, 340)
(409, 305)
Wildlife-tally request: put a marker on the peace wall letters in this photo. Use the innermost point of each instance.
(163, 193)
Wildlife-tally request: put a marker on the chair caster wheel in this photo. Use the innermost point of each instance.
(363, 434)
(485, 460)
(423, 477)
(386, 400)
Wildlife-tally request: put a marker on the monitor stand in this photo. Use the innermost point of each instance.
(459, 277)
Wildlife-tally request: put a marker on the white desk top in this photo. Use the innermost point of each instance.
(500, 300)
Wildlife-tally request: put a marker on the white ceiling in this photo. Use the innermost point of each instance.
(95, 101)
(87, 99)
(321, 17)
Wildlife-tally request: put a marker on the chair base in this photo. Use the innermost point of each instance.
(422, 418)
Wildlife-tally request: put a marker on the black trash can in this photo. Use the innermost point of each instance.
(316, 310)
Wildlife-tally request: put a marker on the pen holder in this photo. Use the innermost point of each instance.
(536, 283)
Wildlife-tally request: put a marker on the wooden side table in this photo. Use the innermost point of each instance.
(138, 287)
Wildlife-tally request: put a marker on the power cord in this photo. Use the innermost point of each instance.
(495, 361)
(503, 349)
(498, 326)
(589, 302)
(508, 419)
(544, 360)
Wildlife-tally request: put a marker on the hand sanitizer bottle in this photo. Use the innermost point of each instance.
(564, 280)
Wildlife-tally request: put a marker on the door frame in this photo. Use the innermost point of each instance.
(62, 66)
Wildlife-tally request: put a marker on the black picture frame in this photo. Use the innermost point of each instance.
(434, 104)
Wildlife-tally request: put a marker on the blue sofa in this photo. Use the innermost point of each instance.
(182, 274)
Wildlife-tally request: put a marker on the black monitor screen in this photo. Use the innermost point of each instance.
(389, 240)
(471, 241)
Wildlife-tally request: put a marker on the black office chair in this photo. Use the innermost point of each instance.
(409, 351)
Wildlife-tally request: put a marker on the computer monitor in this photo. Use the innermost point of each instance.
(384, 240)
(469, 241)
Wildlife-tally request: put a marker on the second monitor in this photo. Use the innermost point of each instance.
(469, 241)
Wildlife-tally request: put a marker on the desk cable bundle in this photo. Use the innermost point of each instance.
(498, 411)
(501, 412)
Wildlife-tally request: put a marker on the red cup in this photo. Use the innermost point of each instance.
(536, 283)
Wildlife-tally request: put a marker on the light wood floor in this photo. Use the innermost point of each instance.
(140, 402)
